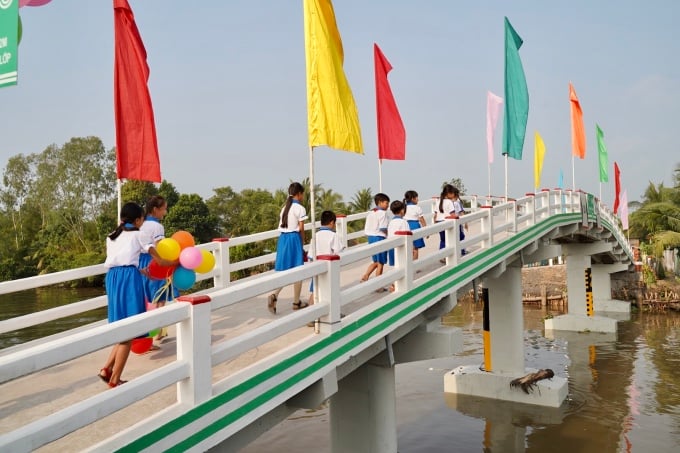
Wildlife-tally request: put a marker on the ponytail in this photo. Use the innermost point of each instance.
(128, 214)
(448, 189)
(294, 189)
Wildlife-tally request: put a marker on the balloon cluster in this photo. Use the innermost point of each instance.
(181, 245)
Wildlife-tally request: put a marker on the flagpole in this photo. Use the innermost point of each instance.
(573, 174)
(600, 190)
(120, 202)
(312, 203)
(379, 175)
(506, 178)
(488, 167)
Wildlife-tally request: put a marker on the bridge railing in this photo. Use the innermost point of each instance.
(191, 371)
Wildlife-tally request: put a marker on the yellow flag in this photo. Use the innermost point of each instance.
(539, 154)
(333, 119)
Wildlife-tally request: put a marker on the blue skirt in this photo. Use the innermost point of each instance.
(124, 291)
(152, 287)
(381, 257)
(288, 251)
(414, 225)
(442, 237)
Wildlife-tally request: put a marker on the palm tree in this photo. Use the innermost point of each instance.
(330, 201)
(362, 201)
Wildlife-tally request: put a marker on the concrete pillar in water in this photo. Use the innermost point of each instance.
(506, 321)
(363, 412)
(602, 290)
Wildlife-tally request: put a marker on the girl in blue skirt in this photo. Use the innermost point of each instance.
(289, 250)
(124, 282)
(156, 209)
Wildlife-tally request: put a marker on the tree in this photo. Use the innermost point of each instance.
(330, 201)
(137, 191)
(191, 214)
(362, 201)
(457, 182)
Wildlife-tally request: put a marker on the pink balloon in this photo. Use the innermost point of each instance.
(190, 257)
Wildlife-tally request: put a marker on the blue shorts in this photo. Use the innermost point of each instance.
(381, 257)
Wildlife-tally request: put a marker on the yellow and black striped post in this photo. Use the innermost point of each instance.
(486, 328)
(589, 293)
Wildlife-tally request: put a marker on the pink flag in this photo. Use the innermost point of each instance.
(391, 133)
(624, 211)
(136, 145)
(493, 108)
(617, 187)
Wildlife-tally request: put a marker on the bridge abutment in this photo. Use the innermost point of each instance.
(602, 290)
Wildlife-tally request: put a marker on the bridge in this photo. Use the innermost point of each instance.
(235, 370)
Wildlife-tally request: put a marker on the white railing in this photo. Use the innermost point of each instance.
(191, 371)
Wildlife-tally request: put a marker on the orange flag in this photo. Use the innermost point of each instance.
(136, 145)
(578, 134)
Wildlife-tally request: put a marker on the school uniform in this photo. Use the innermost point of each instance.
(327, 243)
(375, 230)
(412, 216)
(458, 208)
(152, 287)
(448, 208)
(397, 223)
(124, 283)
(289, 251)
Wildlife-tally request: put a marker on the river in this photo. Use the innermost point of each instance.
(624, 389)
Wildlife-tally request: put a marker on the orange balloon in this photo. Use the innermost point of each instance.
(184, 238)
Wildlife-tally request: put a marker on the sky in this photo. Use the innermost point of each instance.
(228, 87)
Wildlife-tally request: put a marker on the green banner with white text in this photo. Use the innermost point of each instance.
(9, 40)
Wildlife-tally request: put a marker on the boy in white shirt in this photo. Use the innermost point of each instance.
(327, 242)
(376, 230)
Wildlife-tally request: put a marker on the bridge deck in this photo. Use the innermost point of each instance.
(26, 399)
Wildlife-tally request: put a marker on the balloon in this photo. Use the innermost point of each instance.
(141, 345)
(168, 249)
(190, 257)
(183, 278)
(158, 272)
(154, 332)
(184, 239)
(207, 263)
(33, 2)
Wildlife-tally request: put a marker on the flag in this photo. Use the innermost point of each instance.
(578, 134)
(136, 145)
(602, 155)
(391, 133)
(493, 107)
(539, 154)
(617, 187)
(624, 210)
(516, 96)
(333, 119)
(560, 180)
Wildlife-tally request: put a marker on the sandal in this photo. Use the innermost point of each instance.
(271, 303)
(120, 382)
(299, 305)
(105, 374)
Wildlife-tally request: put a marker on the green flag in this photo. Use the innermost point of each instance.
(516, 96)
(9, 37)
(602, 155)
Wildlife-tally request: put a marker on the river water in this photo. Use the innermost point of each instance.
(624, 389)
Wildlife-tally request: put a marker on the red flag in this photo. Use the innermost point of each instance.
(617, 186)
(578, 134)
(391, 133)
(136, 145)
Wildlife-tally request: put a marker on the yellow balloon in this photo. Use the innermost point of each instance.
(207, 264)
(168, 249)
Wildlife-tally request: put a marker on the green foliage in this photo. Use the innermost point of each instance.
(457, 182)
(362, 201)
(191, 214)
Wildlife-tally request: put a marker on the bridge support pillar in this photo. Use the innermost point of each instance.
(363, 412)
(581, 315)
(506, 344)
(602, 290)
